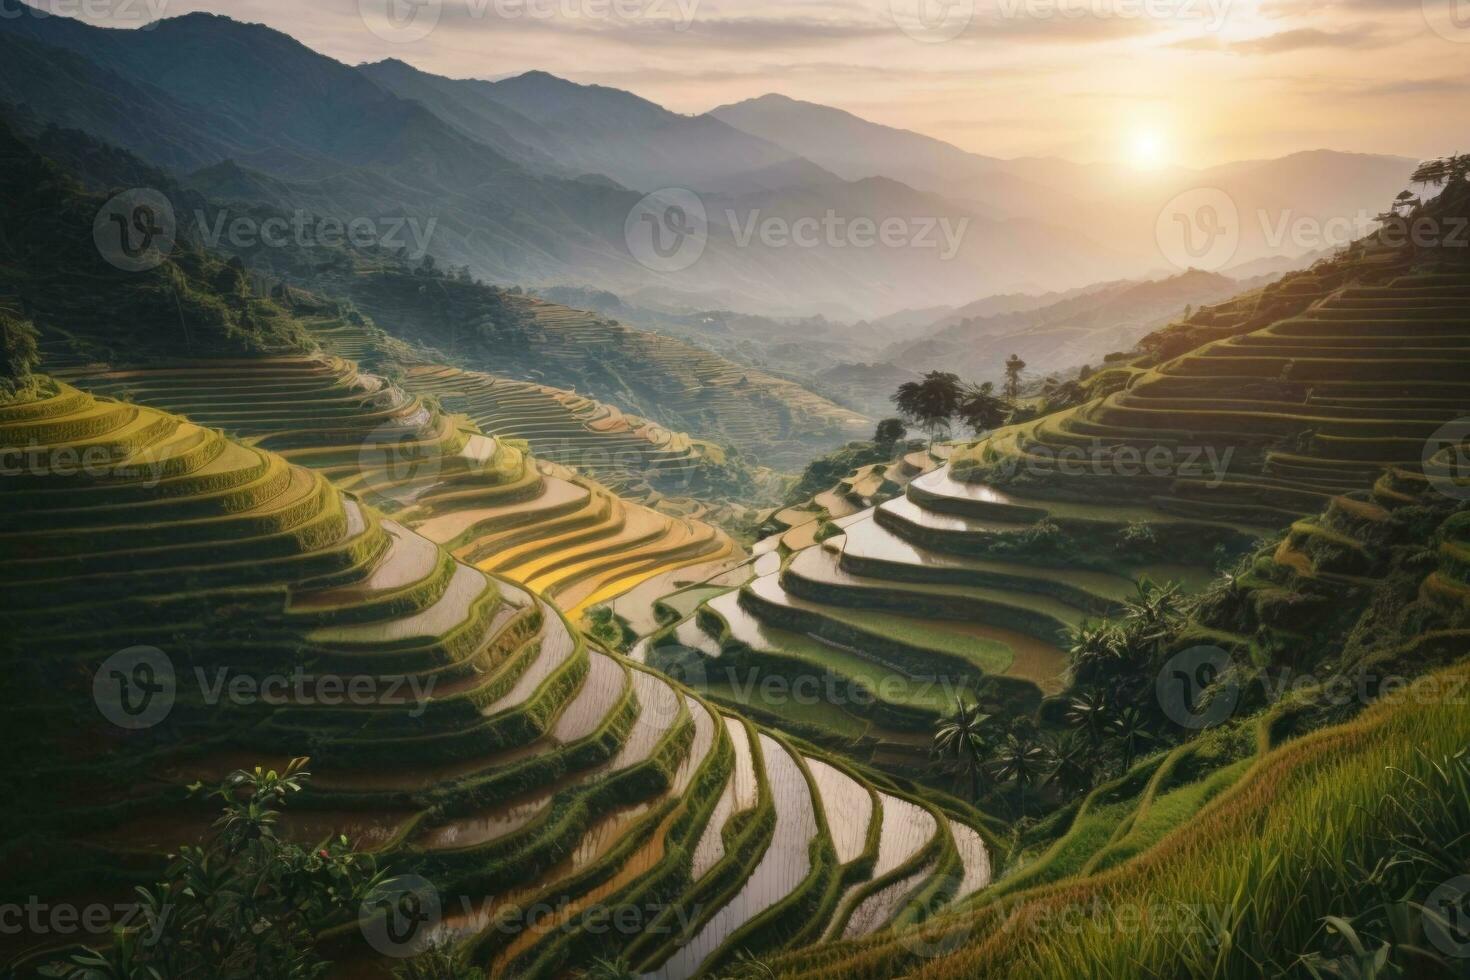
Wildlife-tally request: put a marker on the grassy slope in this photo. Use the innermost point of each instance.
(1263, 862)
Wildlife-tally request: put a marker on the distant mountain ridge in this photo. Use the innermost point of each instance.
(1080, 328)
(532, 179)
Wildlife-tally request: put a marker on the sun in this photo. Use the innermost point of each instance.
(1147, 149)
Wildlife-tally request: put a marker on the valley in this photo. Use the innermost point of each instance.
(456, 528)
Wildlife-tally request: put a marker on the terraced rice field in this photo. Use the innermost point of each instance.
(1309, 407)
(563, 535)
(920, 596)
(665, 380)
(629, 455)
(526, 768)
(981, 566)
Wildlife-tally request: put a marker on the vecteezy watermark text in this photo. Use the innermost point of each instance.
(407, 21)
(833, 230)
(137, 688)
(146, 12)
(304, 230)
(36, 917)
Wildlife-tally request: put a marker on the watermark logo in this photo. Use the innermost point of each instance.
(135, 688)
(1199, 229)
(1446, 459)
(399, 459)
(399, 916)
(932, 21)
(138, 687)
(1182, 684)
(136, 230)
(1450, 19)
(667, 231)
(1447, 917)
(400, 21)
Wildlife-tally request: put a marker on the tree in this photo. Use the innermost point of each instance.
(1094, 650)
(1071, 763)
(1130, 728)
(19, 354)
(1431, 173)
(1014, 367)
(1151, 614)
(931, 402)
(1089, 713)
(243, 904)
(1019, 760)
(889, 432)
(982, 409)
(962, 739)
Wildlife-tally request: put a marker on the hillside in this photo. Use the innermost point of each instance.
(354, 149)
(332, 533)
(659, 378)
(992, 570)
(526, 768)
(1073, 331)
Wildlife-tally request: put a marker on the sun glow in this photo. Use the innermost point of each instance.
(1147, 149)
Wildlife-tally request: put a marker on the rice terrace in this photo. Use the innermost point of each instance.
(920, 489)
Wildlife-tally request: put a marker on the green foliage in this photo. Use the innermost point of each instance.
(889, 431)
(826, 531)
(962, 742)
(19, 355)
(443, 962)
(604, 627)
(242, 905)
(932, 402)
(193, 302)
(608, 969)
(825, 471)
(1014, 367)
(981, 409)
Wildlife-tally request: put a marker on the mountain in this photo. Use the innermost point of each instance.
(1109, 201)
(1079, 329)
(311, 133)
(855, 148)
(537, 181)
(596, 129)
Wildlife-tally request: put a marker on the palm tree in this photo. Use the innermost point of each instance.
(1019, 760)
(962, 738)
(1071, 763)
(1151, 613)
(1131, 730)
(982, 409)
(1089, 712)
(1094, 649)
(931, 402)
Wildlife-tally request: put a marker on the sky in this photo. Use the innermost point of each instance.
(1149, 82)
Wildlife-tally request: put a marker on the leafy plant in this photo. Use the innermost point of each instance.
(243, 904)
(962, 740)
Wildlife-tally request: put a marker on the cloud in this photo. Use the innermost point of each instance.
(1418, 86)
(1303, 8)
(1358, 37)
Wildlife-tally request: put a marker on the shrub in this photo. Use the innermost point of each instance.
(19, 355)
(243, 904)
